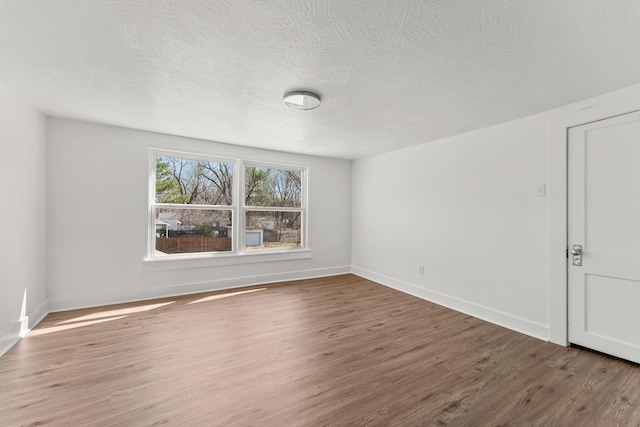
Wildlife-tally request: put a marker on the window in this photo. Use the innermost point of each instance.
(200, 206)
(273, 206)
(192, 206)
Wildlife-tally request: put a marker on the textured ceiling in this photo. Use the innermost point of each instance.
(391, 73)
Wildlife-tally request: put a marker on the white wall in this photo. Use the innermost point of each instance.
(97, 218)
(465, 208)
(22, 217)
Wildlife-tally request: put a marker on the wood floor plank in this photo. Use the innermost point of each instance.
(330, 351)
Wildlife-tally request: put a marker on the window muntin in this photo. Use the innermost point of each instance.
(192, 199)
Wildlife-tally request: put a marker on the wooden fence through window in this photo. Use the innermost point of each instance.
(186, 244)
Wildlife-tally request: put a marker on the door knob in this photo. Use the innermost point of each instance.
(577, 255)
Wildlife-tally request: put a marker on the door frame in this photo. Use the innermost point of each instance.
(558, 212)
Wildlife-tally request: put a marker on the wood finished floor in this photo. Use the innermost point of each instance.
(333, 351)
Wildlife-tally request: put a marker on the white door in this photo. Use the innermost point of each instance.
(604, 218)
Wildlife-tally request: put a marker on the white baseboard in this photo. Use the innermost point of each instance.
(14, 334)
(506, 320)
(118, 297)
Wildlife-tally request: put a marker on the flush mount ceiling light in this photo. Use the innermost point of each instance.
(302, 100)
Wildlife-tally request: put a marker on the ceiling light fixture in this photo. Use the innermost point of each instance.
(302, 100)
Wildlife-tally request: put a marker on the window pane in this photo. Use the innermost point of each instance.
(192, 230)
(186, 181)
(273, 230)
(273, 187)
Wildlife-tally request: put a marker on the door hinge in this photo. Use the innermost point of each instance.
(567, 253)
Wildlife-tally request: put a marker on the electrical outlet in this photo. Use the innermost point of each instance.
(421, 270)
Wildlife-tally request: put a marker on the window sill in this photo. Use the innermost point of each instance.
(218, 260)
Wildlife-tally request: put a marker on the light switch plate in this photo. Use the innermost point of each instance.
(540, 190)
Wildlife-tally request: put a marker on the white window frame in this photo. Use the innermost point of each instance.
(238, 254)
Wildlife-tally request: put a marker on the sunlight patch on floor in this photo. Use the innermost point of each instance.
(118, 312)
(215, 297)
(44, 331)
